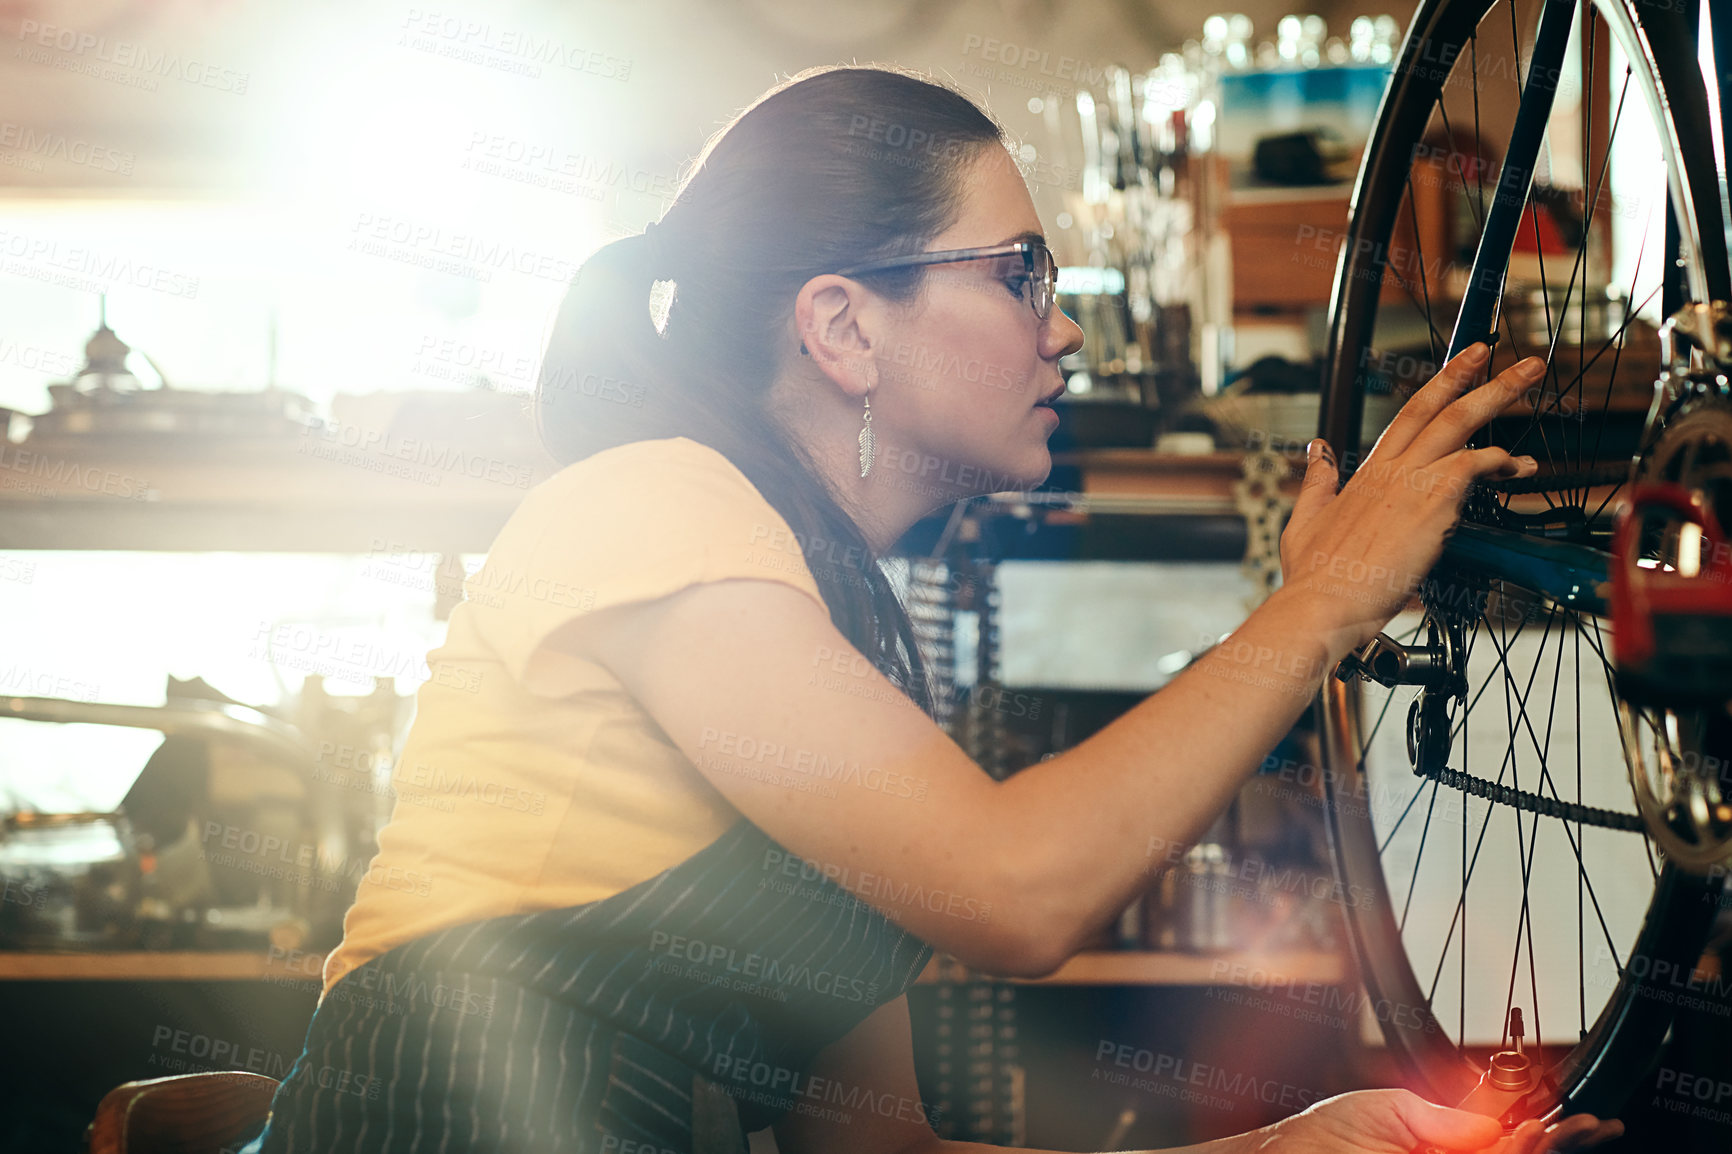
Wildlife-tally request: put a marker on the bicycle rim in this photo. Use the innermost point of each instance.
(1380, 821)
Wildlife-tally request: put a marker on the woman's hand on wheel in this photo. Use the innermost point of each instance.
(1360, 553)
(1401, 1122)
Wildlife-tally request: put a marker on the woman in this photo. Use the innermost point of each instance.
(675, 827)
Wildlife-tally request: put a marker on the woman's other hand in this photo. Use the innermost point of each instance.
(1401, 1122)
(1360, 553)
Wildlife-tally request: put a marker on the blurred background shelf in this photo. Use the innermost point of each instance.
(262, 497)
(273, 499)
(1164, 968)
(150, 966)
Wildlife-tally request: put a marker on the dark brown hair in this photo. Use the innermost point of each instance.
(832, 167)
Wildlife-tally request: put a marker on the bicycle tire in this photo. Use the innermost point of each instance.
(1599, 1071)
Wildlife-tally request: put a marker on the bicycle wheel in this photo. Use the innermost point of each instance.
(1516, 743)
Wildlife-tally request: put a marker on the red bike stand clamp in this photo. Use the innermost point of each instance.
(1672, 628)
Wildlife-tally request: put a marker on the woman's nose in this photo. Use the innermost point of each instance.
(1060, 336)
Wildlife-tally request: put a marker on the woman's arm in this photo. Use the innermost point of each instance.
(845, 772)
(803, 736)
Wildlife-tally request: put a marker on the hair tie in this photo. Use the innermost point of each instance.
(661, 286)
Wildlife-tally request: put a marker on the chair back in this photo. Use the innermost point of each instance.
(184, 1114)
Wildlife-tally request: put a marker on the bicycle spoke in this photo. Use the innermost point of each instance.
(1579, 266)
(1634, 272)
(1477, 694)
(1653, 866)
(1614, 343)
(1436, 338)
(1533, 973)
(1461, 1012)
(1449, 130)
(1414, 885)
(1419, 248)
(1581, 864)
(1545, 755)
(1524, 855)
(1581, 964)
(1515, 48)
(1461, 902)
(1591, 22)
(1503, 769)
(1405, 810)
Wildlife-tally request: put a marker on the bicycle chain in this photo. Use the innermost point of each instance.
(1533, 802)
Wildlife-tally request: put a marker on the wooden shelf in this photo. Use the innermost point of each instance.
(266, 496)
(246, 496)
(1144, 481)
(1154, 968)
(148, 966)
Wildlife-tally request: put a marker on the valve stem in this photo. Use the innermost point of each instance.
(1506, 1085)
(1512, 1069)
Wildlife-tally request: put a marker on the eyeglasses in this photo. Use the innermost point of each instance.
(1030, 260)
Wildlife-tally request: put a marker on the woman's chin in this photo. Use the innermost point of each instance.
(1002, 472)
(1028, 473)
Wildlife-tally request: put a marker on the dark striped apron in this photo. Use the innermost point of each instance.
(671, 1018)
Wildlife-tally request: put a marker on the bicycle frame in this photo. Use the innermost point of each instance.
(1477, 320)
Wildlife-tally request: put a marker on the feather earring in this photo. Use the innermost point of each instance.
(867, 446)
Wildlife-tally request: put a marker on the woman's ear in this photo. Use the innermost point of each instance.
(831, 319)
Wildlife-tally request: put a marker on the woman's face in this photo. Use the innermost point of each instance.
(961, 376)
